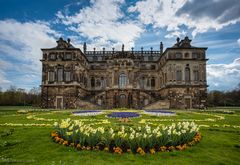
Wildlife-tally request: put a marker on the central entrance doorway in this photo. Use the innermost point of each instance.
(122, 101)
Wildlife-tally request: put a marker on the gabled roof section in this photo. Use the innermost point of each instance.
(62, 44)
(185, 43)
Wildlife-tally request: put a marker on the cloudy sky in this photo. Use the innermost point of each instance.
(27, 25)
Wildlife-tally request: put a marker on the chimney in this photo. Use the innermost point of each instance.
(161, 47)
(84, 47)
(178, 41)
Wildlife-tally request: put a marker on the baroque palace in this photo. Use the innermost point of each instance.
(174, 78)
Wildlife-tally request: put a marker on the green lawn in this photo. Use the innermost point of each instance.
(26, 144)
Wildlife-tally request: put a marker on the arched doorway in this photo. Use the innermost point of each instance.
(122, 101)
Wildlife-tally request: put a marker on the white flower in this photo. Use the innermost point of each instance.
(113, 135)
(159, 134)
(183, 131)
(101, 129)
(69, 133)
(111, 131)
(55, 124)
(70, 128)
(137, 134)
(131, 136)
(144, 136)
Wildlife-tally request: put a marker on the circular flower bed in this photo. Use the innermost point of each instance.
(126, 139)
(123, 114)
(87, 113)
(159, 112)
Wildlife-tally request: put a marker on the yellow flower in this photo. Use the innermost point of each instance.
(65, 143)
(78, 146)
(72, 144)
(152, 151)
(129, 150)
(163, 148)
(117, 150)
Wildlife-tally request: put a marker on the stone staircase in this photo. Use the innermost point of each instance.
(85, 103)
(160, 104)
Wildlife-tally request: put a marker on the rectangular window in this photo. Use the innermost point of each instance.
(95, 58)
(150, 58)
(60, 75)
(194, 55)
(196, 75)
(52, 56)
(153, 67)
(179, 75)
(178, 55)
(51, 76)
(67, 76)
(68, 56)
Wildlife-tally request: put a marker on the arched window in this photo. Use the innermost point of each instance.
(122, 80)
(152, 82)
(103, 84)
(142, 81)
(148, 82)
(98, 83)
(187, 74)
(92, 82)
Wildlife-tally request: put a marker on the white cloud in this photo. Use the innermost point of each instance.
(176, 34)
(224, 76)
(101, 23)
(24, 40)
(3, 79)
(238, 41)
(20, 45)
(197, 16)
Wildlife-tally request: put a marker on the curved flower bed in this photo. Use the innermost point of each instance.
(87, 113)
(123, 114)
(159, 112)
(126, 139)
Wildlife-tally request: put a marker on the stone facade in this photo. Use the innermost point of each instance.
(133, 79)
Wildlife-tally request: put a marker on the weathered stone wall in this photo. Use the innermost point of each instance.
(161, 104)
(124, 78)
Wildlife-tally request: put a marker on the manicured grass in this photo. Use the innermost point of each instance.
(33, 145)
